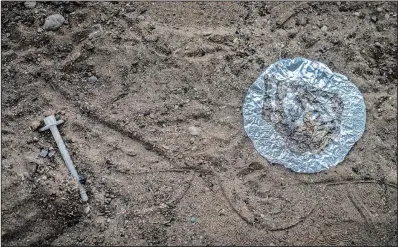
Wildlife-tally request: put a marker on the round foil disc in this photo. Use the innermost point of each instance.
(300, 114)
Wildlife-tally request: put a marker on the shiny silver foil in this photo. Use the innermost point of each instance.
(300, 114)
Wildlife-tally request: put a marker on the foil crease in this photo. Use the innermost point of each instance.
(290, 76)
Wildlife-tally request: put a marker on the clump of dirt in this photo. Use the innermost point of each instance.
(151, 95)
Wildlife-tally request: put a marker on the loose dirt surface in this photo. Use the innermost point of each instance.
(151, 95)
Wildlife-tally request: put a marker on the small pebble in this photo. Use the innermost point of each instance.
(378, 45)
(87, 210)
(379, 9)
(43, 152)
(374, 18)
(194, 130)
(30, 4)
(34, 125)
(324, 28)
(53, 22)
(194, 219)
(89, 46)
(35, 139)
(51, 154)
(92, 79)
(39, 30)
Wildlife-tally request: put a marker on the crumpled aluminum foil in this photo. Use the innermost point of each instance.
(302, 95)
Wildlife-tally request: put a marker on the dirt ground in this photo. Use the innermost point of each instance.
(151, 95)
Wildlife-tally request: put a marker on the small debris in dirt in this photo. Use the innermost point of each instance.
(74, 57)
(30, 4)
(108, 200)
(355, 169)
(222, 212)
(379, 9)
(195, 131)
(373, 18)
(34, 125)
(53, 22)
(89, 46)
(194, 220)
(324, 28)
(87, 209)
(131, 153)
(94, 35)
(82, 179)
(256, 166)
(57, 3)
(39, 30)
(51, 154)
(359, 14)
(43, 152)
(71, 139)
(92, 79)
(47, 113)
(378, 45)
(35, 139)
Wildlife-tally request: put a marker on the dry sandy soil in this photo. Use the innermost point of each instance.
(162, 68)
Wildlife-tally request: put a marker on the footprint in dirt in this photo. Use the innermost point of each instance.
(267, 198)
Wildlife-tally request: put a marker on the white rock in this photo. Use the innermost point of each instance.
(30, 4)
(324, 28)
(194, 130)
(53, 22)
